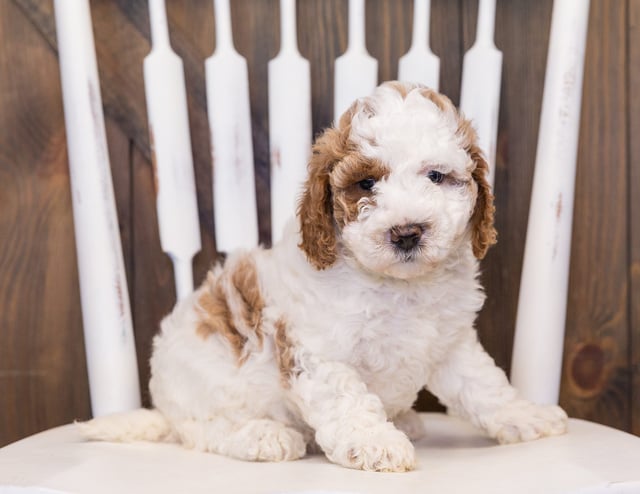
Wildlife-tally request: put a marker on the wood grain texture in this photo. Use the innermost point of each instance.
(43, 378)
(385, 41)
(595, 382)
(521, 33)
(42, 371)
(256, 35)
(447, 42)
(322, 37)
(151, 288)
(633, 56)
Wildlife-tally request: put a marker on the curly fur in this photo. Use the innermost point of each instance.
(326, 339)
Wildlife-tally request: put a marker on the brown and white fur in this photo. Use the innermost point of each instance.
(327, 338)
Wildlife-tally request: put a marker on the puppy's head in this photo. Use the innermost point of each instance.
(398, 185)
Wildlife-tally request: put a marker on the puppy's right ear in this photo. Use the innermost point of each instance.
(483, 231)
(315, 209)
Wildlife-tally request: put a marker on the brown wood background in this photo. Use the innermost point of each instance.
(43, 379)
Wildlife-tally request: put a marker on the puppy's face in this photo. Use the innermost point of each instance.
(398, 186)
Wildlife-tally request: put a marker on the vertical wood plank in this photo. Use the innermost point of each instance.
(41, 347)
(447, 42)
(595, 381)
(388, 24)
(151, 283)
(322, 37)
(257, 38)
(633, 206)
(193, 51)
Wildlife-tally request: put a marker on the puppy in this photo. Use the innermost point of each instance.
(326, 339)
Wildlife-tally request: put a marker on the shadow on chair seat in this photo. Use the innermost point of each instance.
(453, 458)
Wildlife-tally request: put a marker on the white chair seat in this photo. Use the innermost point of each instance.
(454, 457)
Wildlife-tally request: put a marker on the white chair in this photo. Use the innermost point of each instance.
(454, 457)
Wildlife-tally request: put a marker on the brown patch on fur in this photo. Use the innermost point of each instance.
(356, 167)
(347, 191)
(245, 281)
(215, 317)
(466, 133)
(401, 87)
(315, 209)
(284, 353)
(483, 234)
(231, 305)
(443, 103)
(345, 204)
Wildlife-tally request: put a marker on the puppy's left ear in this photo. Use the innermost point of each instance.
(483, 234)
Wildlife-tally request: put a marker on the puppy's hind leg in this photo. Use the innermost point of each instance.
(253, 440)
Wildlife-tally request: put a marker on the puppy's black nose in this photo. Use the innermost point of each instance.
(406, 237)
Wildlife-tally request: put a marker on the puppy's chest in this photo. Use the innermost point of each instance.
(392, 338)
(393, 351)
(377, 331)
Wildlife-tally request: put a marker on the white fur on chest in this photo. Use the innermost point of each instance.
(393, 332)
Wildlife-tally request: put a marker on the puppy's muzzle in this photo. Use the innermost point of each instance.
(407, 237)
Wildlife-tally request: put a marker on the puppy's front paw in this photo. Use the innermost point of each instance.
(261, 440)
(381, 448)
(522, 420)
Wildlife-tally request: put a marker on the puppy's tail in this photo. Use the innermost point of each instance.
(137, 425)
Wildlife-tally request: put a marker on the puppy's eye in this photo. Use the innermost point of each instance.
(435, 176)
(367, 183)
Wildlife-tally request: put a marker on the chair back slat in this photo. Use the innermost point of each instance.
(481, 80)
(356, 72)
(420, 64)
(106, 315)
(170, 140)
(289, 121)
(234, 193)
(542, 304)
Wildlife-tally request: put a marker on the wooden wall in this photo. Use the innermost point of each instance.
(43, 379)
